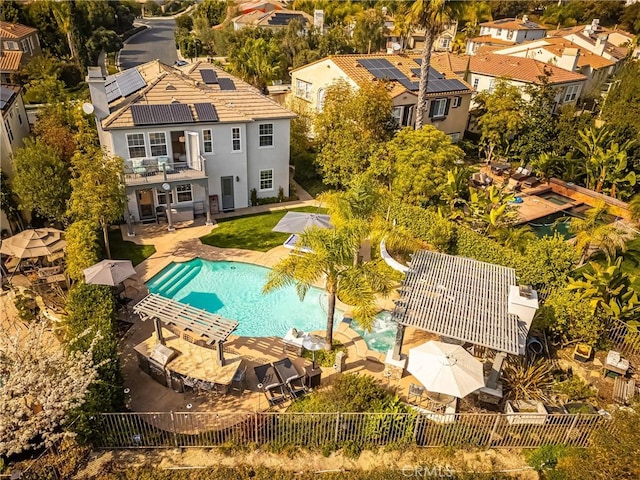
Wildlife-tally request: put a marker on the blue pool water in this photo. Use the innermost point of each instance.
(383, 335)
(234, 291)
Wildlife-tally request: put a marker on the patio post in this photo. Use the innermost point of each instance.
(397, 346)
(207, 208)
(220, 354)
(128, 218)
(167, 188)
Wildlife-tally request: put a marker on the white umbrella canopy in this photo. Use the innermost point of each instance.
(109, 272)
(445, 368)
(37, 242)
(296, 222)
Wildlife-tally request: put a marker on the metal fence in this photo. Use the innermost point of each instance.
(625, 339)
(336, 430)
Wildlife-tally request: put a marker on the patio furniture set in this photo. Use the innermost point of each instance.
(281, 381)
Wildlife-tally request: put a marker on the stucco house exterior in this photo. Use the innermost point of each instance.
(505, 32)
(448, 99)
(18, 45)
(396, 42)
(196, 137)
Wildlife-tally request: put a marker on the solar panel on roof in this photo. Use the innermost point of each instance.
(382, 69)
(130, 81)
(180, 113)
(209, 76)
(206, 112)
(283, 18)
(226, 84)
(161, 114)
(141, 115)
(409, 85)
(5, 96)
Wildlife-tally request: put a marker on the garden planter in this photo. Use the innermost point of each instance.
(582, 352)
(527, 412)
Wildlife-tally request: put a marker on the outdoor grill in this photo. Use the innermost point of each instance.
(161, 356)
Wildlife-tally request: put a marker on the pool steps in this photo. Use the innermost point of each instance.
(176, 277)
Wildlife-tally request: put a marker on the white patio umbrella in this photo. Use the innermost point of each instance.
(109, 272)
(445, 368)
(36, 242)
(296, 222)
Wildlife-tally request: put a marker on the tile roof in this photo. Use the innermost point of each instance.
(350, 66)
(10, 60)
(512, 24)
(523, 69)
(449, 62)
(167, 84)
(14, 30)
(262, 19)
(491, 41)
(616, 51)
(556, 45)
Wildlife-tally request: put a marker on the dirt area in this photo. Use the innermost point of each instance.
(461, 461)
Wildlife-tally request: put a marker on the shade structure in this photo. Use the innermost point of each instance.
(296, 222)
(109, 272)
(445, 368)
(37, 242)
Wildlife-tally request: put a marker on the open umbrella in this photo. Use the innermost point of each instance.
(37, 242)
(313, 343)
(445, 368)
(109, 272)
(296, 222)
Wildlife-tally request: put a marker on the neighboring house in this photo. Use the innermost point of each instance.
(396, 42)
(19, 44)
(274, 19)
(13, 131)
(506, 31)
(569, 56)
(483, 71)
(259, 6)
(449, 96)
(205, 136)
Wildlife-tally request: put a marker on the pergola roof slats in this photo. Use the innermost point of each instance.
(214, 327)
(459, 298)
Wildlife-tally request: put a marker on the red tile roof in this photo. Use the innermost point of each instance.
(512, 24)
(523, 69)
(10, 60)
(14, 30)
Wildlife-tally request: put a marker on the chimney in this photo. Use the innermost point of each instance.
(601, 44)
(569, 59)
(318, 19)
(98, 92)
(525, 18)
(523, 302)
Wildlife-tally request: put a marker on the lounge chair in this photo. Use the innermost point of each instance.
(522, 173)
(289, 376)
(270, 384)
(531, 181)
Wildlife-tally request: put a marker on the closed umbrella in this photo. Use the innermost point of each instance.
(37, 242)
(445, 368)
(109, 272)
(296, 222)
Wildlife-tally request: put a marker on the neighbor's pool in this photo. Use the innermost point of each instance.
(555, 223)
(383, 335)
(234, 291)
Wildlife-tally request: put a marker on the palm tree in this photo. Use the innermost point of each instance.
(63, 13)
(331, 259)
(432, 16)
(515, 238)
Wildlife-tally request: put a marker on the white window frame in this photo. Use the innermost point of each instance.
(455, 137)
(396, 113)
(184, 189)
(322, 95)
(498, 32)
(266, 136)
(510, 34)
(445, 42)
(440, 109)
(571, 93)
(7, 127)
(31, 44)
(156, 145)
(492, 85)
(303, 89)
(476, 82)
(207, 145)
(235, 138)
(161, 197)
(24, 43)
(130, 146)
(457, 101)
(11, 45)
(261, 179)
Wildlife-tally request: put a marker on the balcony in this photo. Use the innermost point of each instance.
(149, 170)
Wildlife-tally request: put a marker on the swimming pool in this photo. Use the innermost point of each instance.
(383, 335)
(555, 223)
(234, 291)
(555, 198)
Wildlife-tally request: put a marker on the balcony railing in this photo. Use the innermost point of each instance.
(138, 171)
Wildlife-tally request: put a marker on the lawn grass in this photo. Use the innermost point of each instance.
(251, 232)
(123, 250)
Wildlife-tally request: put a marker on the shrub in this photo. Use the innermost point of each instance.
(254, 197)
(544, 460)
(26, 306)
(326, 358)
(575, 389)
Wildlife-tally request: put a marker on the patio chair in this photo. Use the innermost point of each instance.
(270, 384)
(289, 376)
(522, 173)
(237, 384)
(417, 393)
(531, 181)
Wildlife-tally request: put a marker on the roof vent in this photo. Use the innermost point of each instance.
(169, 87)
(174, 100)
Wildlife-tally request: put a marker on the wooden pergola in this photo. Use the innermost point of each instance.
(212, 328)
(459, 298)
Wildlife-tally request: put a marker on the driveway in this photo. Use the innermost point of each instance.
(156, 42)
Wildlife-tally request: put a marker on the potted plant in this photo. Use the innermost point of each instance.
(525, 412)
(582, 352)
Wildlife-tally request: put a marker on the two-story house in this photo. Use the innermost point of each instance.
(569, 56)
(272, 20)
(196, 138)
(19, 44)
(397, 42)
(505, 32)
(448, 95)
(13, 131)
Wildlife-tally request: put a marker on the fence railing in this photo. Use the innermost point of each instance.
(625, 339)
(366, 430)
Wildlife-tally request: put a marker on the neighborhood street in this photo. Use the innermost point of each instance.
(155, 42)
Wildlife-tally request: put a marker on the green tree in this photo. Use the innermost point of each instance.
(550, 260)
(350, 129)
(331, 260)
(9, 203)
(622, 104)
(490, 211)
(215, 11)
(334, 42)
(42, 179)
(98, 192)
(414, 164)
(203, 32)
(569, 122)
(593, 233)
(500, 118)
(631, 18)
(258, 62)
(103, 39)
(634, 208)
(83, 249)
(369, 30)
(432, 16)
(152, 8)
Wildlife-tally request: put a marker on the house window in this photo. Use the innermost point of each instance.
(571, 93)
(158, 144)
(456, 102)
(498, 32)
(303, 89)
(162, 197)
(492, 85)
(509, 34)
(322, 93)
(438, 108)
(445, 42)
(476, 81)
(184, 192)
(19, 118)
(235, 139)
(31, 47)
(8, 128)
(455, 137)
(135, 141)
(207, 141)
(25, 45)
(397, 115)
(266, 134)
(11, 46)
(266, 180)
